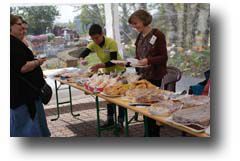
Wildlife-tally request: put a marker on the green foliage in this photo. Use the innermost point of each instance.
(38, 17)
(71, 25)
(129, 52)
(92, 14)
(159, 19)
(195, 64)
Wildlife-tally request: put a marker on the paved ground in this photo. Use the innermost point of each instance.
(85, 124)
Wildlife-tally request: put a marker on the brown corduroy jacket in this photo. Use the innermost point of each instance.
(157, 58)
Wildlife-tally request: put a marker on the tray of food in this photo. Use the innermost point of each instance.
(92, 89)
(165, 108)
(196, 118)
(191, 127)
(192, 100)
(107, 95)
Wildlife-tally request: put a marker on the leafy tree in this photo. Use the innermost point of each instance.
(143, 6)
(126, 31)
(71, 25)
(160, 19)
(38, 17)
(90, 14)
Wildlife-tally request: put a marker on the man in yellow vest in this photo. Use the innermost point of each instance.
(106, 50)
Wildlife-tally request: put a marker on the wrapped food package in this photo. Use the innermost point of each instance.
(147, 94)
(199, 115)
(165, 108)
(192, 101)
(147, 98)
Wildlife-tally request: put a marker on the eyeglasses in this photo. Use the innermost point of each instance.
(20, 24)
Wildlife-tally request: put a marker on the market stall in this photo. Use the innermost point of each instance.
(190, 114)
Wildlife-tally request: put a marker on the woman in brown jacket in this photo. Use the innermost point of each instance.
(151, 50)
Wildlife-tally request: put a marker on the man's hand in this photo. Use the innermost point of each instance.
(83, 62)
(122, 64)
(96, 67)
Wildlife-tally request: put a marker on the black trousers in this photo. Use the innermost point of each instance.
(153, 129)
(110, 112)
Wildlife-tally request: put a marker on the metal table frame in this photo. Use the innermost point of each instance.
(99, 129)
(57, 88)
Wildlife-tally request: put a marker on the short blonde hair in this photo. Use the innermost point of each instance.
(143, 15)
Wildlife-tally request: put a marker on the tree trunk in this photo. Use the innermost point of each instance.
(180, 33)
(184, 33)
(143, 6)
(203, 24)
(172, 22)
(195, 10)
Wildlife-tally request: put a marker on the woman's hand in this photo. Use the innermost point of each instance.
(143, 62)
(96, 67)
(41, 61)
(31, 65)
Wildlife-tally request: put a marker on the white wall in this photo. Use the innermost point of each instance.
(112, 24)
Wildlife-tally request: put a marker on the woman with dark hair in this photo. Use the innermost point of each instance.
(27, 117)
(151, 51)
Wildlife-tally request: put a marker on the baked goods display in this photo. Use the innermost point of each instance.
(129, 77)
(142, 84)
(98, 82)
(165, 108)
(115, 84)
(198, 115)
(188, 110)
(120, 88)
(73, 75)
(193, 100)
(132, 93)
(147, 95)
(117, 89)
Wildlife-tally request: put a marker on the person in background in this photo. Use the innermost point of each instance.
(27, 116)
(206, 90)
(106, 50)
(25, 30)
(202, 87)
(151, 51)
